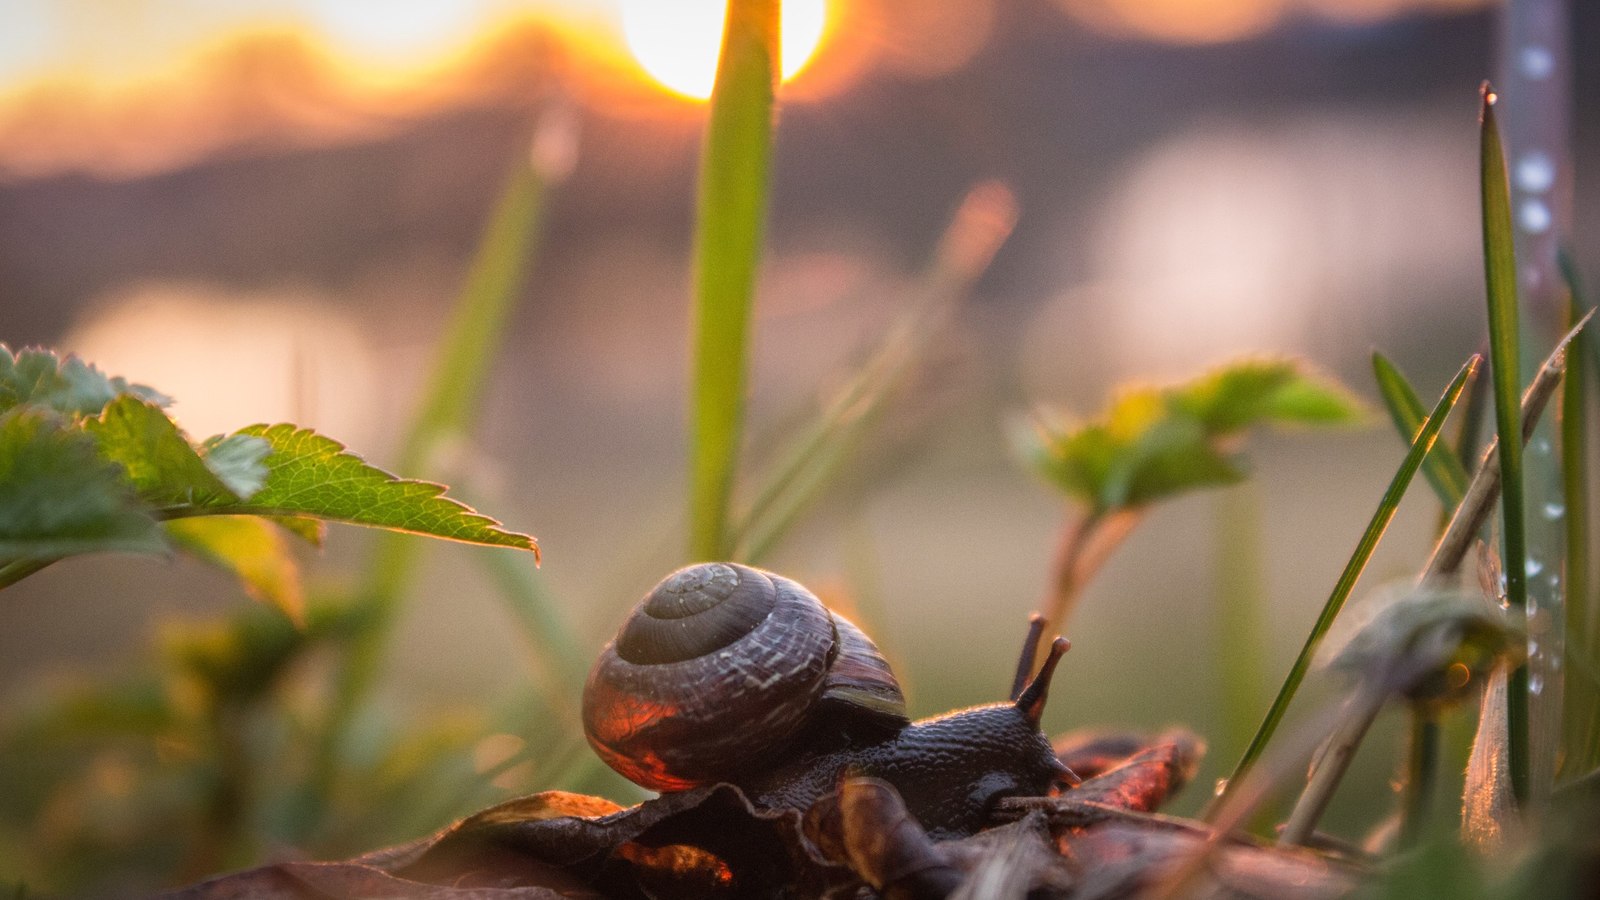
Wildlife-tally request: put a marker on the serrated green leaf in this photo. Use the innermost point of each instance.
(156, 459)
(67, 385)
(312, 475)
(1152, 443)
(252, 549)
(59, 498)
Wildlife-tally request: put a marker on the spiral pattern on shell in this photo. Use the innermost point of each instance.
(718, 669)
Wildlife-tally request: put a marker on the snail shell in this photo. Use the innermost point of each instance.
(722, 667)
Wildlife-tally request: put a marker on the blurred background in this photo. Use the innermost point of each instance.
(265, 209)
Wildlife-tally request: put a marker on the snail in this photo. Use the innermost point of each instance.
(727, 673)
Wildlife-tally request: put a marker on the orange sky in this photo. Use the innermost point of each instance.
(129, 86)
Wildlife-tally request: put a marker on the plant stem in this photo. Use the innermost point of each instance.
(1483, 490)
(1081, 550)
(732, 206)
(1422, 769)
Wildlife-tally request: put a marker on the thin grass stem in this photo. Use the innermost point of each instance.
(1379, 522)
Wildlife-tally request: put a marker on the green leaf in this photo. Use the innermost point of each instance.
(67, 385)
(252, 549)
(732, 207)
(1443, 469)
(1248, 392)
(1500, 274)
(1153, 443)
(238, 461)
(59, 498)
(312, 475)
(163, 467)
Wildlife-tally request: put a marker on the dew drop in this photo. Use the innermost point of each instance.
(1537, 62)
(1533, 648)
(1554, 511)
(1541, 444)
(1533, 567)
(1535, 172)
(1535, 683)
(1222, 786)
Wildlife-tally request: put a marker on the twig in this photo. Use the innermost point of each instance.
(1485, 486)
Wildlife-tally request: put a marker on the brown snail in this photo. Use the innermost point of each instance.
(730, 673)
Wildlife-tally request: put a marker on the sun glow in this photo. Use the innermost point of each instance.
(677, 43)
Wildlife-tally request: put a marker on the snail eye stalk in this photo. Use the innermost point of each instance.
(1031, 700)
(1030, 650)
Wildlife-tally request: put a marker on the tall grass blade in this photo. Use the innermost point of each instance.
(727, 249)
(1500, 274)
(1441, 467)
(1426, 437)
(1582, 700)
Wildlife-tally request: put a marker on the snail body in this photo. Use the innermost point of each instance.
(729, 673)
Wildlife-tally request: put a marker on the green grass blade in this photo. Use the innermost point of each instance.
(1500, 273)
(1443, 470)
(1583, 303)
(1582, 700)
(1426, 437)
(727, 249)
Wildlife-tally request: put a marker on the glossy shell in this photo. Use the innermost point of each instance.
(718, 670)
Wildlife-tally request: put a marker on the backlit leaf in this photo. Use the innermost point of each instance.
(58, 497)
(1152, 442)
(312, 475)
(253, 549)
(67, 384)
(160, 463)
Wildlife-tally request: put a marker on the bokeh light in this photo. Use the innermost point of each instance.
(677, 43)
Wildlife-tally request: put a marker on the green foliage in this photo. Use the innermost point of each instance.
(164, 469)
(69, 386)
(90, 463)
(312, 475)
(1156, 442)
(59, 497)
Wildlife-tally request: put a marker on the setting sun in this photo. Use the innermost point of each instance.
(677, 42)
